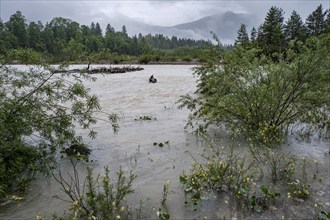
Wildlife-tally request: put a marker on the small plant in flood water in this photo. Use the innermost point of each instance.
(299, 189)
(228, 175)
(100, 198)
(163, 213)
(260, 202)
(324, 215)
(161, 144)
(146, 118)
(280, 165)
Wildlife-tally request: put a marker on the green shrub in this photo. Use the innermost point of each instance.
(230, 175)
(187, 59)
(100, 198)
(261, 98)
(39, 113)
(145, 59)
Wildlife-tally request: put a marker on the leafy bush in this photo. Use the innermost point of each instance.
(279, 165)
(187, 59)
(100, 198)
(15, 160)
(228, 174)
(262, 98)
(299, 189)
(40, 110)
(145, 59)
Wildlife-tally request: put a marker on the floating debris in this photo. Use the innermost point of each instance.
(103, 70)
(113, 70)
(145, 118)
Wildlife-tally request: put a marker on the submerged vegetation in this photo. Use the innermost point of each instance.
(266, 89)
(146, 118)
(251, 185)
(100, 198)
(269, 86)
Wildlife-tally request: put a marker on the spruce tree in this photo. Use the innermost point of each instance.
(124, 30)
(93, 27)
(294, 28)
(109, 29)
(271, 36)
(242, 36)
(315, 22)
(259, 34)
(254, 35)
(98, 30)
(328, 22)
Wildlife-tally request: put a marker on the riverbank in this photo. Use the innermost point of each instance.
(160, 150)
(131, 62)
(137, 62)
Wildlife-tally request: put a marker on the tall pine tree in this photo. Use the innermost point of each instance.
(124, 30)
(315, 22)
(328, 22)
(294, 28)
(98, 30)
(254, 35)
(271, 38)
(109, 29)
(93, 28)
(242, 36)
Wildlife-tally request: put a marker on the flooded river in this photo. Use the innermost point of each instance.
(132, 148)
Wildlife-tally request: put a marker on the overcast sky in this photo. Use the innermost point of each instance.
(160, 13)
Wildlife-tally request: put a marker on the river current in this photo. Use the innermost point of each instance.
(131, 96)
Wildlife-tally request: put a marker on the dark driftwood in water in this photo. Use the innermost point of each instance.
(110, 70)
(115, 69)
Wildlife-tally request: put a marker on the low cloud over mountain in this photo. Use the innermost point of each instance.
(225, 26)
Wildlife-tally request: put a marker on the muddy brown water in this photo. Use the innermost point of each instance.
(132, 148)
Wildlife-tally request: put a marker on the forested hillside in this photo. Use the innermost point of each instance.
(62, 39)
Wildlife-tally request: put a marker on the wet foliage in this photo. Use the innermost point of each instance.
(98, 198)
(265, 99)
(39, 113)
(246, 182)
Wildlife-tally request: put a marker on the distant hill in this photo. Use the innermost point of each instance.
(225, 26)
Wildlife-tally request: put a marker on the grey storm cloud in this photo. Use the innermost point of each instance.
(141, 15)
(161, 12)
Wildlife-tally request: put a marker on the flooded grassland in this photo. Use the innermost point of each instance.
(137, 147)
